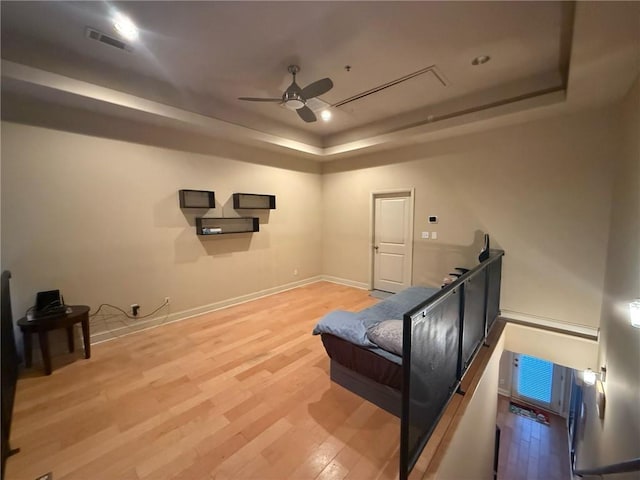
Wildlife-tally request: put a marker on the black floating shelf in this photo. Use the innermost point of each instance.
(254, 201)
(197, 199)
(221, 226)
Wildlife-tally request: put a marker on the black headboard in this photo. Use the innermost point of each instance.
(9, 366)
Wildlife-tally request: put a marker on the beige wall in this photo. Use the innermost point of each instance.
(542, 190)
(616, 438)
(114, 232)
(559, 348)
(99, 219)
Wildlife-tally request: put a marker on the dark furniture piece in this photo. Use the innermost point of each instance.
(441, 336)
(9, 368)
(221, 226)
(496, 454)
(254, 201)
(365, 373)
(440, 339)
(42, 326)
(197, 199)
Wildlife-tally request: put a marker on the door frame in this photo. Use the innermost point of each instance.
(399, 192)
(558, 386)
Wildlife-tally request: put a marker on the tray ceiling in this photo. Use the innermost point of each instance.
(199, 57)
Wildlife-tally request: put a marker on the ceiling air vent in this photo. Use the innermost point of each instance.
(317, 105)
(429, 71)
(94, 34)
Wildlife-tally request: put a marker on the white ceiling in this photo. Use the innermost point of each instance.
(193, 59)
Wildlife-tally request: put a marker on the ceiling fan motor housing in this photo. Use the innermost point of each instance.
(295, 98)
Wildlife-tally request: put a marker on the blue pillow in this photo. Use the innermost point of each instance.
(346, 325)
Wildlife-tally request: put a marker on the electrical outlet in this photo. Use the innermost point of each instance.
(134, 309)
(295, 272)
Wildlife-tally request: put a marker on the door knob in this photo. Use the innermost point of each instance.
(375, 247)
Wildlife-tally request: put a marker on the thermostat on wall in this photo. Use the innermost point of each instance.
(433, 219)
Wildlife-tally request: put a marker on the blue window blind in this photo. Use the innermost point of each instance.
(535, 377)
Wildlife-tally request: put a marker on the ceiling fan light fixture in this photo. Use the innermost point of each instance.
(296, 98)
(325, 115)
(293, 103)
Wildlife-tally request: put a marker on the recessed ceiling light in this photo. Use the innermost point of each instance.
(124, 26)
(480, 60)
(325, 115)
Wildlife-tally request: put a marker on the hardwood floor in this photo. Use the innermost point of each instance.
(240, 393)
(530, 450)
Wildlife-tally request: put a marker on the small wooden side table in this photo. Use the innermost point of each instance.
(42, 326)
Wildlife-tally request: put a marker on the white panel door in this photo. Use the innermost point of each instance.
(392, 243)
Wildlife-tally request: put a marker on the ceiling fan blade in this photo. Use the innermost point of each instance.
(317, 88)
(306, 114)
(253, 99)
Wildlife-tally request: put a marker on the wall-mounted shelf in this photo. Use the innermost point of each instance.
(220, 226)
(254, 201)
(197, 199)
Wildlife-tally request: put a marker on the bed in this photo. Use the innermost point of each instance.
(408, 353)
(363, 362)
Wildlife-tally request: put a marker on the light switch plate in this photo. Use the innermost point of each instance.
(425, 234)
(434, 235)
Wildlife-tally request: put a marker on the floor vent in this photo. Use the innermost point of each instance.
(94, 34)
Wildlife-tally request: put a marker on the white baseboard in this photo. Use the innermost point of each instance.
(504, 392)
(566, 327)
(344, 281)
(140, 325)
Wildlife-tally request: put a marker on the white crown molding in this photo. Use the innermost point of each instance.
(211, 126)
(62, 89)
(550, 323)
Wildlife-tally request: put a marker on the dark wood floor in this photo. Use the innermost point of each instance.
(530, 450)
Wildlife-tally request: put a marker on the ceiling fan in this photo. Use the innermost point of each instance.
(295, 98)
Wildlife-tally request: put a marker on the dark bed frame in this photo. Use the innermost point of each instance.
(383, 396)
(441, 337)
(9, 372)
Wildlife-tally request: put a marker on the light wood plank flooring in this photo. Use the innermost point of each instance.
(530, 450)
(240, 393)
